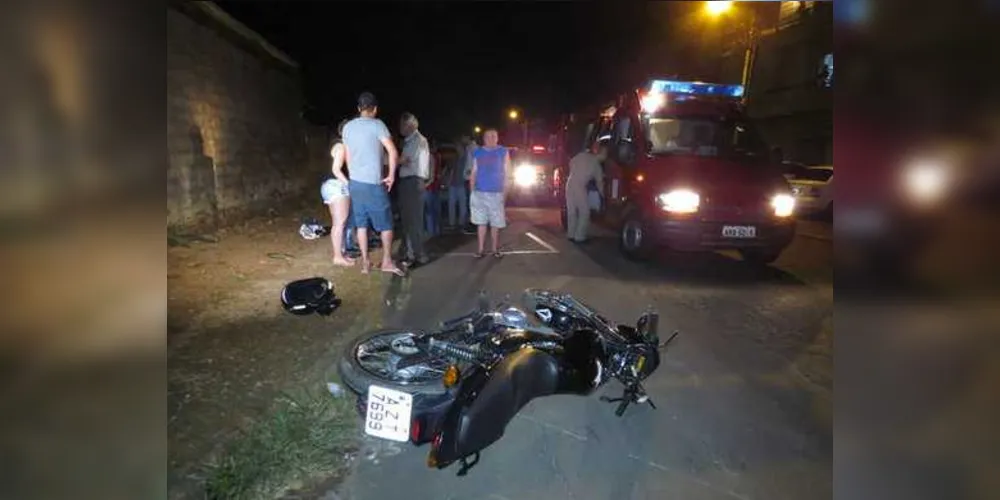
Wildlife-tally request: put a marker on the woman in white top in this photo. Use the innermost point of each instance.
(336, 196)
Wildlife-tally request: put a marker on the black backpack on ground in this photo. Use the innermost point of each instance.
(311, 295)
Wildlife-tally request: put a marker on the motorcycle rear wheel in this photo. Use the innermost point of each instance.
(372, 359)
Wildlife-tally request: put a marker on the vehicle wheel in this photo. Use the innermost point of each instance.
(759, 256)
(373, 358)
(633, 239)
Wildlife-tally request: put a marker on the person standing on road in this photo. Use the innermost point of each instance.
(432, 202)
(414, 174)
(337, 198)
(470, 150)
(490, 165)
(584, 169)
(365, 137)
(458, 193)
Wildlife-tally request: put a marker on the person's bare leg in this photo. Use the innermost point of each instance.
(495, 237)
(387, 264)
(481, 234)
(338, 212)
(362, 233)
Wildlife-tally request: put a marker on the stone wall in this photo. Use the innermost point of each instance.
(236, 142)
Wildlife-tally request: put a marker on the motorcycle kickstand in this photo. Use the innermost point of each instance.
(466, 464)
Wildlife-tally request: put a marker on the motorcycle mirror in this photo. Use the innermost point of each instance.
(648, 324)
(484, 301)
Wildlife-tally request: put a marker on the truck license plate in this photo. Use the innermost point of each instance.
(739, 231)
(388, 414)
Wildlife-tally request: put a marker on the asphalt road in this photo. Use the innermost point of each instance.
(734, 419)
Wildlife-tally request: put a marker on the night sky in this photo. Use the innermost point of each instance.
(456, 65)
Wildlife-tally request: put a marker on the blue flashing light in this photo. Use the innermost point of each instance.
(696, 88)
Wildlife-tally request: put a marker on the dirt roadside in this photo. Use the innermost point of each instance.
(233, 352)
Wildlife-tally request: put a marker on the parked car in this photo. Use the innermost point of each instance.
(813, 190)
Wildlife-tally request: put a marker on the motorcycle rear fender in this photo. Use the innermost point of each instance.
(490, 399)
(428, 414)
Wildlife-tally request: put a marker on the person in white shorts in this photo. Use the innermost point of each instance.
(490, 165)
(336, 196)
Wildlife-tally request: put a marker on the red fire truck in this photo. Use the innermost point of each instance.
(687, 171)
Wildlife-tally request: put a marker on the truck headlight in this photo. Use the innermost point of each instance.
(680, 201)
(926, 180)
(783, 204)
(526, 175)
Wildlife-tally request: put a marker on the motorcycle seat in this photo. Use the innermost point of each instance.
(523, 375)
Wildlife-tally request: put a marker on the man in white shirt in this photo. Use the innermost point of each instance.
(414, 173)
(583, 168)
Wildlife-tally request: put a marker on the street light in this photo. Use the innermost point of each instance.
(477, 129)
(524, 125)
(717, 8)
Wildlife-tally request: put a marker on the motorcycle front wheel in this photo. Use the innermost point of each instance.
(391, 359)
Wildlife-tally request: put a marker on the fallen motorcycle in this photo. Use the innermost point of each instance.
(459, 386)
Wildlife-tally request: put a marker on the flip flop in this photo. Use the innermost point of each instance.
(395, 270)
(498, 254)
(479, 255)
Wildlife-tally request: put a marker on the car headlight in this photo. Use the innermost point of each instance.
(526, 175)
(783, 204)
(680, 201)
(926, 180)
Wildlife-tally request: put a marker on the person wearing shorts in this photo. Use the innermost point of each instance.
(337, 198)
(365, 138)
(490, 165)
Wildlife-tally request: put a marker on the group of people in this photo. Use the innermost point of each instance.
(360, 198)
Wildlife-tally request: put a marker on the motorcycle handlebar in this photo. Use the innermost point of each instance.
(452, 323)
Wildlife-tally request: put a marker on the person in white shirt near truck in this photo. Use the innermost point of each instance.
(584, 168)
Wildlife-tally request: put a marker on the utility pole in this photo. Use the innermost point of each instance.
(750, 55)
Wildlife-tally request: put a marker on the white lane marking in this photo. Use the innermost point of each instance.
(504, 252)
(542, 242)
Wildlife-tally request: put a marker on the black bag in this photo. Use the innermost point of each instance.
(310, 295)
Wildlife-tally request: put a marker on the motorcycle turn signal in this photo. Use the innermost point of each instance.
(451, 376)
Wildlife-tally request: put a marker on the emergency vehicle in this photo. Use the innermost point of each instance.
(687, 171)
(534, 176)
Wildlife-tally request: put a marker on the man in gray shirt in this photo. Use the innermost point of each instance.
(365, 137)
(414, 174)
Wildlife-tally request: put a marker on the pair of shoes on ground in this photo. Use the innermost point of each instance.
(498, 254)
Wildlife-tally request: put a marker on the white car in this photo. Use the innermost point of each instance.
(813, 189)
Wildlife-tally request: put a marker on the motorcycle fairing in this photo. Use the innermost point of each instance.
(479, 417)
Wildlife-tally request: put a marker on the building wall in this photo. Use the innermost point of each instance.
(785, 99)
(785, 96)
(235, 141)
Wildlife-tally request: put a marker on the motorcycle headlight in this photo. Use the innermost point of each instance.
(783, 204)
(526, 175)
(680, 201)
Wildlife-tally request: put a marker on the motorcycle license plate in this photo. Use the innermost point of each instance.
(388, 414)
(739, 232)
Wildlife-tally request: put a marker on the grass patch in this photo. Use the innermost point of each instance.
(301, 441)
